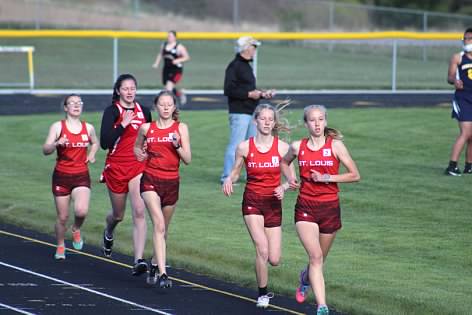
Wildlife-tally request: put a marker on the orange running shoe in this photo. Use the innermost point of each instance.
(60, 252)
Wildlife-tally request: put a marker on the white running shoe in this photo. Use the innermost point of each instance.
(263, 300)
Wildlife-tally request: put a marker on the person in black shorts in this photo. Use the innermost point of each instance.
(460, 75)
(174, 55)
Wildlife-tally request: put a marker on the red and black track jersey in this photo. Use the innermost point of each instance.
(323, 161)
(72, 156)
(123, 147)
(263, 168)
(163, 160)
(169, 55)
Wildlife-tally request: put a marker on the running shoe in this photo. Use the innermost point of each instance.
(452, 171)
(263, 300)
(152, 276)
(302, 290)
(107, 244)
(140, 267)
(77, 241)
(60, 253)
(322, 310)
(467, 170)
(164, 281)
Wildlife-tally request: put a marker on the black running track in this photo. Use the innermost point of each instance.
(32, 282)
(18, 104)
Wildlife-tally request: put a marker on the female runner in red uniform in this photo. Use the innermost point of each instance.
(120, 124)
(317, 211)
(76, 144)
(262, 200)
(162, 144)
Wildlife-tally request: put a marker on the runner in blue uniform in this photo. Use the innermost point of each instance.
(460, 75)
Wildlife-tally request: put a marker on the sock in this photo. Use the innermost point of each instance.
(108, 235)
(468, 165)
(452, 164)
(263, 291)
(305, 279)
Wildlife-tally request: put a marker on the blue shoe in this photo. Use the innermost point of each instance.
(322, 310)
(302, 290)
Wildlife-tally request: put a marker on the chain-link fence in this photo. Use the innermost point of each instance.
(91, 63)
(221, 15)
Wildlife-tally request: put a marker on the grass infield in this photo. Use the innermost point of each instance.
(404, 248)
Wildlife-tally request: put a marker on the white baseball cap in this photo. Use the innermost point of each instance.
(245, 42)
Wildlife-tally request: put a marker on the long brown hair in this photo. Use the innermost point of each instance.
(119, 81)
(328, 132)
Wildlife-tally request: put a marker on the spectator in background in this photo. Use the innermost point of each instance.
(120, 124)
(243, 97)
(460, 75)
(76, 144)
(174, 54)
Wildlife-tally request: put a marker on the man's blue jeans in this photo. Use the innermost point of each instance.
(241, 127)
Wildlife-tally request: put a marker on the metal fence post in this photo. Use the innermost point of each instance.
(331, 23)
(37, 15)
(254, 64)
(394, 65)
(331, 15)
(136, 10)
(425, 29)
(115, 58)
(236, 14)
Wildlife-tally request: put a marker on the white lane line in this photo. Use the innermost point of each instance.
(85, 289)
(15, 309)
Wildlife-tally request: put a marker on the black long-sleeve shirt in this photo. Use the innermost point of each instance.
(109, 134)
(239, 81)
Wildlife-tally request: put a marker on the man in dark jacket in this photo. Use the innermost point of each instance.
(243, 97)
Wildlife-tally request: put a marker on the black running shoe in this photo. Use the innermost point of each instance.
(140, 267)
(164, 281)
(467, 171)
(453, 171)
(152, 276)
(107, 244)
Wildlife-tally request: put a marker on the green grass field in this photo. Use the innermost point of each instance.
(405, 247)
(87, 64)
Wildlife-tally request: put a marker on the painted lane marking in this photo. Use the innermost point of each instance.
(85, 289)
(188, 283)
(16, 309)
